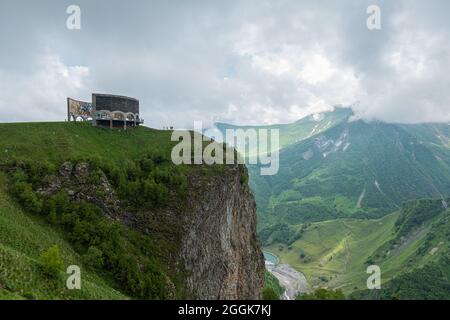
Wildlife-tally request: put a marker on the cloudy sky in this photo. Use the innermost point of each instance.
(245, 62)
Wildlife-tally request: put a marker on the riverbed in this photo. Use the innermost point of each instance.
(292, 280)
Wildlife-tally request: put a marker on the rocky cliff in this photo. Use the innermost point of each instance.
(116, 205)
(212, 234)
(220, 249)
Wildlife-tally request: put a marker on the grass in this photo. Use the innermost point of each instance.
(22, 238)
(333, 253)
(56, 141)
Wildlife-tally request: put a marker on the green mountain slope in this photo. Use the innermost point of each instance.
(22, 239)
(354, 169)
(417, 260)
(289, 134)
(336, 253)
(297, 131)
(333, 253)
(127, 264)
(347, 197)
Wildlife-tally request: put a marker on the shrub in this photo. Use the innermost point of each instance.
(94, 257)
(243, 175)
(29, 296)
(322, 294)
(272, 283)
(269, 294)
(24, 192)
(51, 261)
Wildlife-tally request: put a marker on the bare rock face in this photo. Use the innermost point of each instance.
(220, 250)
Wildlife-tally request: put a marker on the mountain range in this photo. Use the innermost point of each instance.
(344, 188)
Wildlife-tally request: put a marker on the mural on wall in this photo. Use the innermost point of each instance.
(79, 109)
(105, 110)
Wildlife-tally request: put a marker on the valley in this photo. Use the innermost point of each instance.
(341, 195)
(334, 253)
(349, 194)
(292, 280)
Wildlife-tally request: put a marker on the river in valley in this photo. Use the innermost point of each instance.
(292, 280)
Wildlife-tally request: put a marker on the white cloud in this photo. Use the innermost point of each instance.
(413, 85)
(41, 94)
(243, 62)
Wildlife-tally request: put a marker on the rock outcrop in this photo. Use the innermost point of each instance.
(220, 249)
(214, 229)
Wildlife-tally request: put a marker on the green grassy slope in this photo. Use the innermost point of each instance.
(273, 283)
(56, 141)
(333, 253)
(358, 169)
(336, 253)
(24, 235)
(22, 238)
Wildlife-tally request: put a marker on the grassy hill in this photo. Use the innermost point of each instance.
(22, 239)
(117, 257)
(336, 253)
(333, 253)
(56, 141)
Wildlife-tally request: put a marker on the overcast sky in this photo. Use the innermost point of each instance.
(244, 62)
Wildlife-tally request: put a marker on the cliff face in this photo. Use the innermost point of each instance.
(220, 250)
(214, 251)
